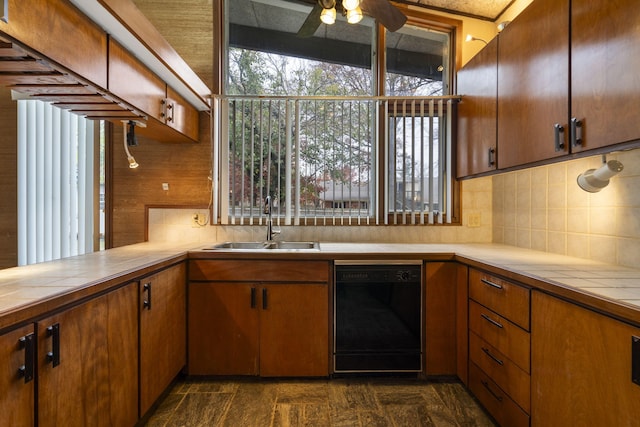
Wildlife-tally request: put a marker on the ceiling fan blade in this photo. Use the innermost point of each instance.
(385, 13)
(312, 22)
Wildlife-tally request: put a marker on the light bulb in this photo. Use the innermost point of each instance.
(469, 38)
(132, 162)
(350, 4)
(354, 15)
(328, 16)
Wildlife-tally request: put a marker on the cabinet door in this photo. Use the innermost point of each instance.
(134, 83)
(605, 63)
(580, 367)
(294, 330)
(223, 329)
(533, 83)
(17, 397)
(477, 112)
(440, 318)
(163, 332)
(87, 365)
(182, 116)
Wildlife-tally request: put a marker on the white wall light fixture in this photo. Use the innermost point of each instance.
(594, 180)
(471, 38)
(129, 139)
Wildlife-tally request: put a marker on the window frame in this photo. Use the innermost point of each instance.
(422, 19)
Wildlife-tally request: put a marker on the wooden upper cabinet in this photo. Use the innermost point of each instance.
(533, 84)
(477, 112)
(132, 81)
(181, 115)
(605, 63)
(59, 31)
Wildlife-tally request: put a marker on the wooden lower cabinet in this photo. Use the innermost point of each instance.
(272, 321)
(88, 363)
(17, 391)
(163, 331)
(580, 366)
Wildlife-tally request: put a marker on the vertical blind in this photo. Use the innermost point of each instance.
(55, 183)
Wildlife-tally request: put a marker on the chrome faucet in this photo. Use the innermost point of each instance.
(267, 210)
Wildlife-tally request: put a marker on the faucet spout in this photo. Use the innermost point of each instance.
(267, 210)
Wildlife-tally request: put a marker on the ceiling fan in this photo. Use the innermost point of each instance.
(380, 10)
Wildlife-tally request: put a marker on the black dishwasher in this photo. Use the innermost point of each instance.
(378, 317)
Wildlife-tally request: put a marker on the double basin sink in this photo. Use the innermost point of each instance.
(269, 245)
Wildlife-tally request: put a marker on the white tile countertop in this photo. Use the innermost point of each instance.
(29, 291)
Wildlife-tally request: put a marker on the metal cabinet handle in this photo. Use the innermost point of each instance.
(495, 359)
(28, 344)
(53, 356)
(490, 320)
(264, 299)
(486, 385)
(147, 302)
(576, 132)
(559, 136)
(253, 297)
(492, 156)
(490, 283)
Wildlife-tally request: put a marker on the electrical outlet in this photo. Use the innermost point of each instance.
(473, 220)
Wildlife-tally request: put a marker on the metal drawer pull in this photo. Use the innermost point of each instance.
(53, 356)
(490, 320)
(495, 359)
(27, 370)
(147, 302)
(486, 385)
(559, 137)
(490, 283)
(576, 132)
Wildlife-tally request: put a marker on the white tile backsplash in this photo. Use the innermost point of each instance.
(543, 208)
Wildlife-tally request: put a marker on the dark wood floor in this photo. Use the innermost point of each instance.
(308, 402)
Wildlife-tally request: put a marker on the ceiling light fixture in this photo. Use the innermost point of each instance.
(350, 4)
(594, 180)
(354, 15)
(471, 38)
(328, 16)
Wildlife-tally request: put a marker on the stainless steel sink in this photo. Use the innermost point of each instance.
(266, 245)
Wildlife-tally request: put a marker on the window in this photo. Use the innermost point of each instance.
(303, 122)
(57, 184)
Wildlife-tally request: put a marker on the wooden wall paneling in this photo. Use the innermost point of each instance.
(8, 180)
(184, 166)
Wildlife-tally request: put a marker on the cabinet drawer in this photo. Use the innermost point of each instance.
(495, 400)
(506, 337)
(505, 298)
(506, 374)
(259, 271)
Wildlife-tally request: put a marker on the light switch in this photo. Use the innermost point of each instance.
(165, 186)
